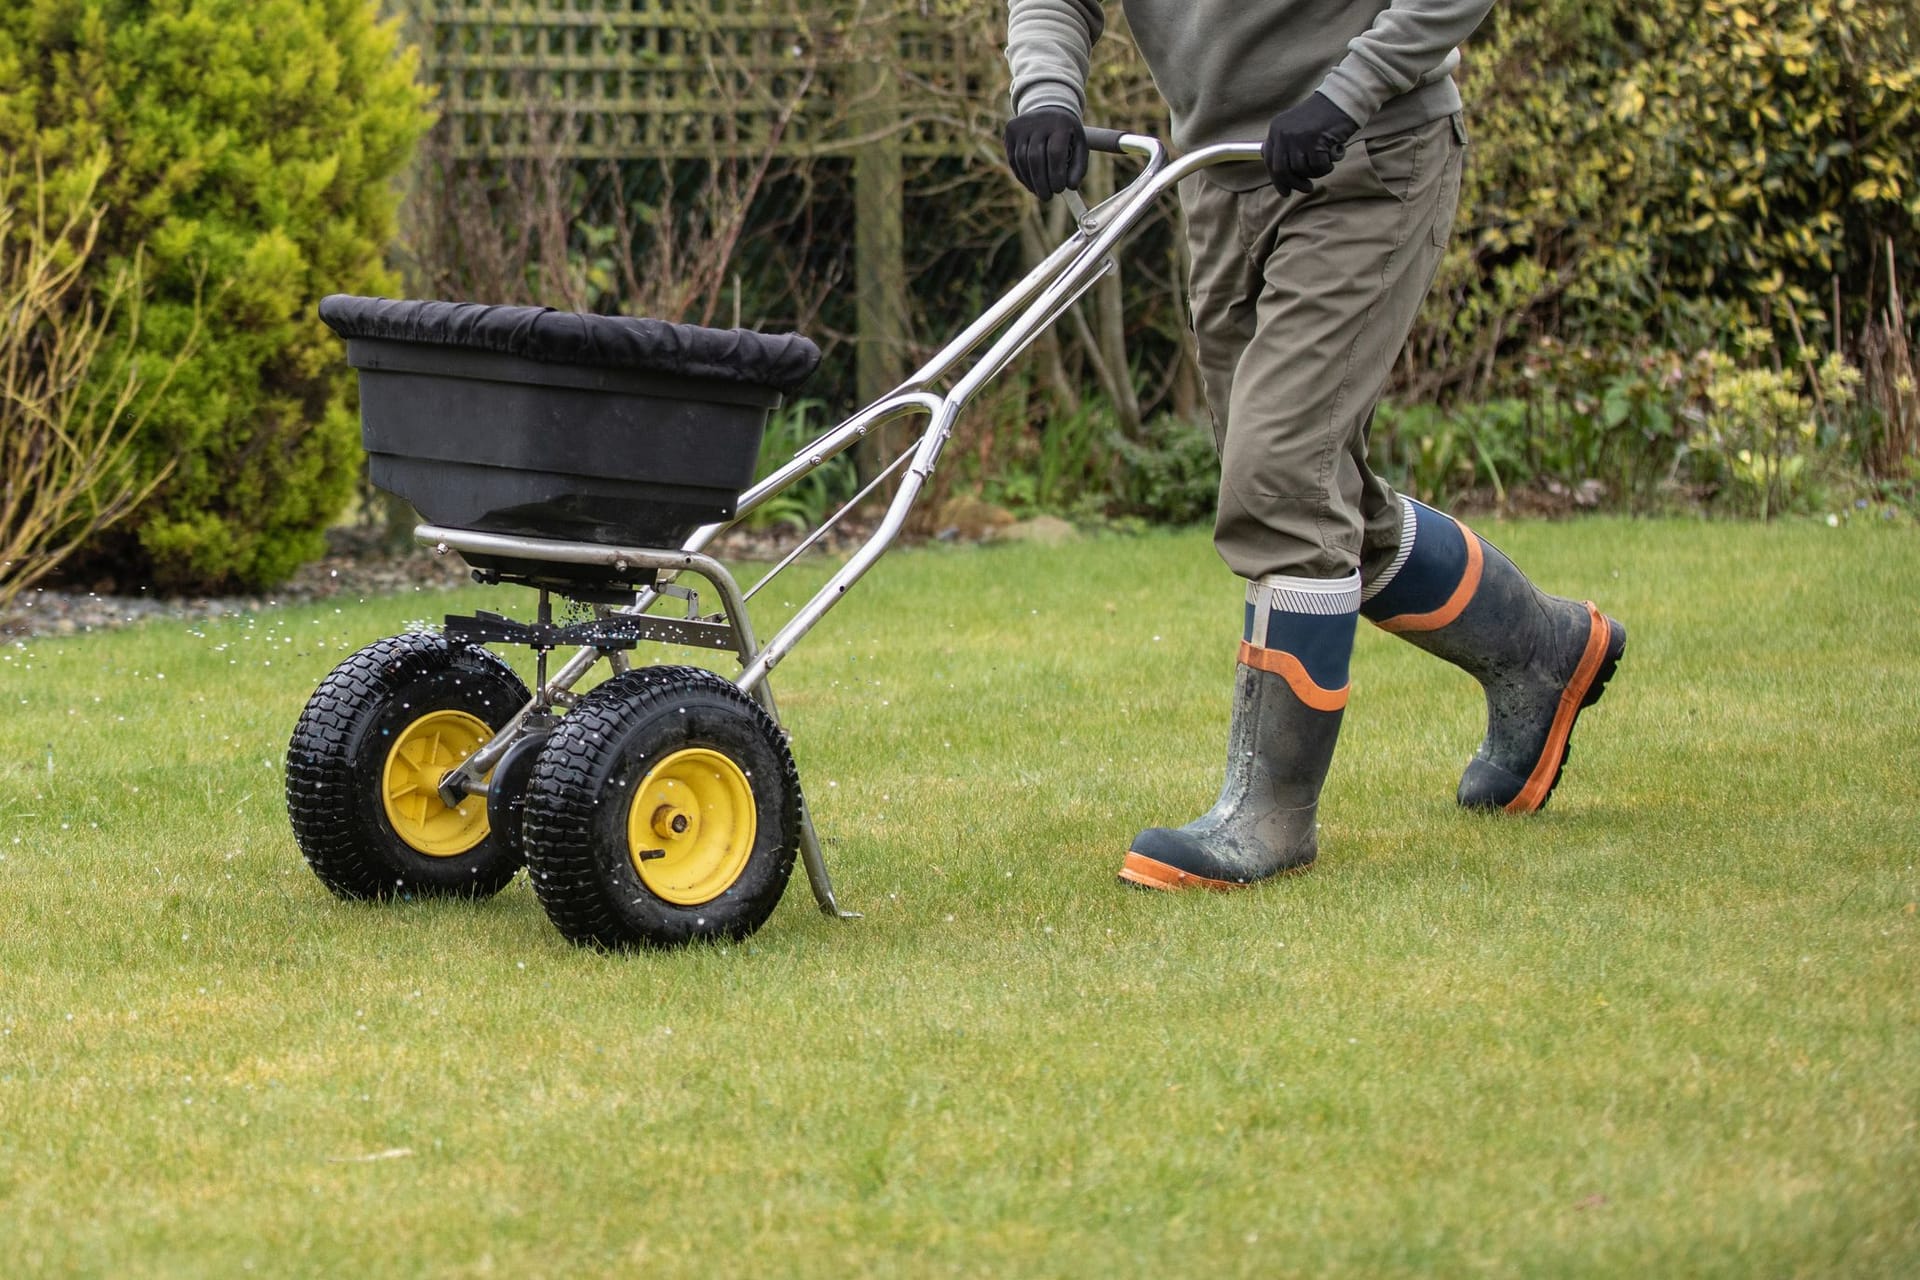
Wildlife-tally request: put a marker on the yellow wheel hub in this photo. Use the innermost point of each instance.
(428, 749)
(691, 828)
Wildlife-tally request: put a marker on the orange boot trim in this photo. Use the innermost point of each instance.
(1151, 874)
(1469, 583)
(1289, 668)
(1540, 781)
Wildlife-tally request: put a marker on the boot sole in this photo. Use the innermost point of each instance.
(1151, 873)
(1606, 645)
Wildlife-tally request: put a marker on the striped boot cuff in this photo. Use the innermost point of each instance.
(1409, 526)
(1321, 597)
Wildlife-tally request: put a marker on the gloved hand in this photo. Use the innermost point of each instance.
(1047, 148)
(1305, 142)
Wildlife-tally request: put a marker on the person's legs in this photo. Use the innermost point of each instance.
(1278, 285)
(1301, 305)
(1342, 273)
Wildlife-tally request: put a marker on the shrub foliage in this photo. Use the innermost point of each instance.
(1676, 171)
(253, 148)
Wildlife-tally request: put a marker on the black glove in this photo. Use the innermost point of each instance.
(1305, 142)
(1047, 148)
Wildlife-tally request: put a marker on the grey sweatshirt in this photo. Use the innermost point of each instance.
(1226, 67)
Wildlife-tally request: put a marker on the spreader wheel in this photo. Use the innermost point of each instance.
(665, 809)
(366, 760)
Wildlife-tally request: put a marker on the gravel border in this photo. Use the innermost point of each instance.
(351, 568)
(62, 612)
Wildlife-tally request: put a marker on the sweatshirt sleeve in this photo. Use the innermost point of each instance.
(1409, 39)
(1049, 49)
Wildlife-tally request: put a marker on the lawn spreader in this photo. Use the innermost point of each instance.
(595, 458)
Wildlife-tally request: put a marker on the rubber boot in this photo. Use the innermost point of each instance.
(1289, 694)
(1542, 659)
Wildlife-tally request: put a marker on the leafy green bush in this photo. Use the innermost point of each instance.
(253, 148)
(1171, 474)
(1615, 416)
(1766, 434)
(1062, 465)
(1674, 170)
(1745, 436)
(1442, 455)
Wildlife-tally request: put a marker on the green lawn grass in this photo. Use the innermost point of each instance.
(1671, 1026)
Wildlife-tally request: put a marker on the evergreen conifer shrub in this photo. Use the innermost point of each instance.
(254, 147)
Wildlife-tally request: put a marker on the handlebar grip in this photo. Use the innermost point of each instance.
(1107, 140)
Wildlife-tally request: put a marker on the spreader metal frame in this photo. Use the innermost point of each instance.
(1019, 317)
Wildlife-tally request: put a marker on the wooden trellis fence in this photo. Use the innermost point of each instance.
(667, 78)
(875, 80)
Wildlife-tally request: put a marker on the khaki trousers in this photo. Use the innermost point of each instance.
(1301, 304)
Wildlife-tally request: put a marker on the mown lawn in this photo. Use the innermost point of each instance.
(1669, 1027)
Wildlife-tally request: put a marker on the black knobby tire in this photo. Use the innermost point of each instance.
(339, 757)
(584, 794)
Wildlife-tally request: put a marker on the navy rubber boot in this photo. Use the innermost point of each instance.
(1541, 659)
(1289, 694)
